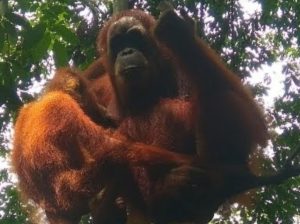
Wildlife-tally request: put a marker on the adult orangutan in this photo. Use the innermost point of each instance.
(219, 121)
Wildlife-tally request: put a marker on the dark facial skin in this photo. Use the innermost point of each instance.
(132, 61)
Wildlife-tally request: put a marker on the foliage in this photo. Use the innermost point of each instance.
(38, 36)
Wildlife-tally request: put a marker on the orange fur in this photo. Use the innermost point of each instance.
(220, 122)
(63, 158)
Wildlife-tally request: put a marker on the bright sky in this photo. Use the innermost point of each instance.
(249, 7)
(270, 76)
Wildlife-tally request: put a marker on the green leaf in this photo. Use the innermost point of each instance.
(3, 7)
(17, 19)
(2, 38)
(4, 73)
(58, 9)
(33, 35)
(60, 54)
(271, 5)
(41, 48)
(24, 5)
(10, 29)
(67, 34)
(3, 173)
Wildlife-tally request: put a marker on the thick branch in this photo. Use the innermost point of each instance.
(241, 183)
(277, 178)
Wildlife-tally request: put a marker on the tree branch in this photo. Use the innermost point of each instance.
(277, 178)
(244, 182)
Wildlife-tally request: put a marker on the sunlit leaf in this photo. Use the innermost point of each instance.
(67, 34)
